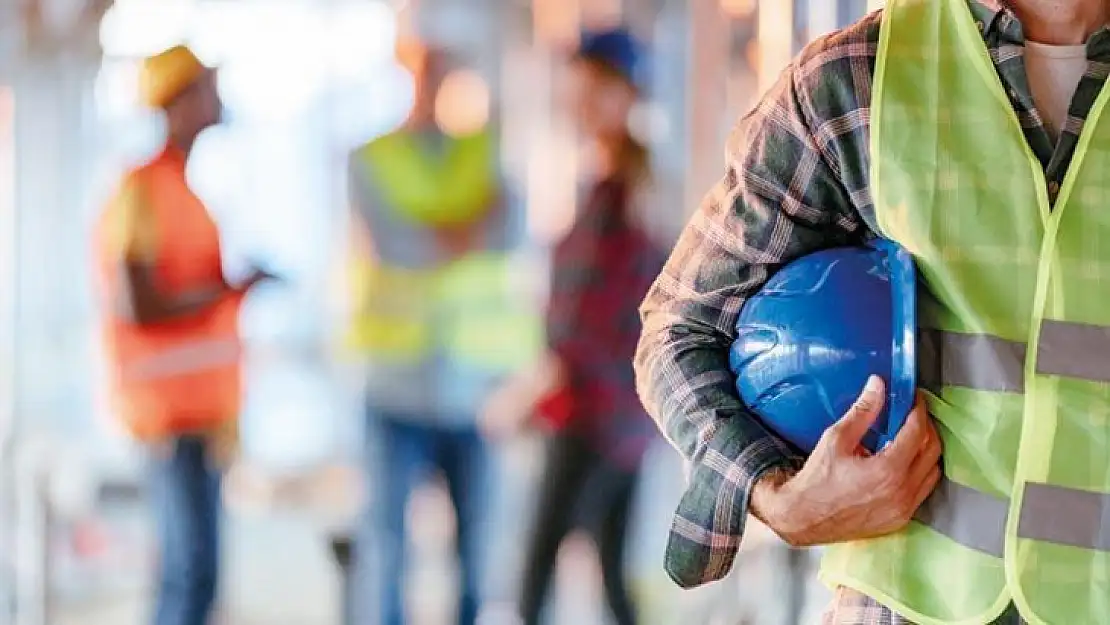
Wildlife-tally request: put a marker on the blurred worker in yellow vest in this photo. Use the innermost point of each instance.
(436, 320)
(171, 332)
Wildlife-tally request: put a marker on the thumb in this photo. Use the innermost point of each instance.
(849, 430)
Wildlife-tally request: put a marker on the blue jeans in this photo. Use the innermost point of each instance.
(402, 455)
(185, 491)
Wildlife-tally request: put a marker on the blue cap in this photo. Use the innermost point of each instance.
(616, 48)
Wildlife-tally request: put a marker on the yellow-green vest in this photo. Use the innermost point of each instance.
(470, 309)
(1016, 338)
(456, 186)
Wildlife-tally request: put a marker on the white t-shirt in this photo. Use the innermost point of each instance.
(1054, 73)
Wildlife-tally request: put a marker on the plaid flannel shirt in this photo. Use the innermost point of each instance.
(796, 181)
(601, 271)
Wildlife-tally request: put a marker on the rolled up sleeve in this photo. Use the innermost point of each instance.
(779, 199)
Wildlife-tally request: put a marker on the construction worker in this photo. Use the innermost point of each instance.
(584, 390)
(972, 133)
(439, 324)
(171, 332)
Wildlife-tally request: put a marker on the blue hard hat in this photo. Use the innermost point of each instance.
(808, 340)
(616, 48)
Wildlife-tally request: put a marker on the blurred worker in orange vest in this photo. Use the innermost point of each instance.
(172, 334)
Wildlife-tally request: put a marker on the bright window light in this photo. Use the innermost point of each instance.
(138, 28)
(822, 18)
(273, 65)
(368, 108)
(8, 247)
(360, 36)
(776, 40)
(117, 87)
(275, 57)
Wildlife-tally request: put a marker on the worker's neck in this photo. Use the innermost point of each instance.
(183, 140)
(421, 123)
(1061, 22)
(607, 152)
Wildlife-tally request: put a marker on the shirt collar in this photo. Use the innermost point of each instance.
(986, 14)
(997, 17)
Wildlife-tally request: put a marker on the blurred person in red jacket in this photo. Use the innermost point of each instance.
(584, 390)
(171, 332)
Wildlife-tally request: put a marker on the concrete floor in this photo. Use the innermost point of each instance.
(279, 569)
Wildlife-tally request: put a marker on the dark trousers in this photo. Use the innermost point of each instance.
(185, 490)
(406, 454)
(578, 485)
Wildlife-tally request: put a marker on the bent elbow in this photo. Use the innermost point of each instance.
(644, 364)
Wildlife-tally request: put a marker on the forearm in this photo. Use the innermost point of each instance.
(682, 371)
(766, 502)
(145, 303)
(193, 302)
(781, 198)
(685, 384)
(755, 221)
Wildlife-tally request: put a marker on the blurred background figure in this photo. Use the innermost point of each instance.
(584, 389)
(305, 85)
(172, 333)
(437, 322)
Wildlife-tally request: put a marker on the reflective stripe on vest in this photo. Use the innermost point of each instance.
(977, 520)
(977, 361)
(990, 363)
(393, 312)
(182, 360)
(490, 321)
(1017, 354)
(972, 518)
(473, 308)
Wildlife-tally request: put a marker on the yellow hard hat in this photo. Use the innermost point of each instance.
(411, 52)
(165, 75)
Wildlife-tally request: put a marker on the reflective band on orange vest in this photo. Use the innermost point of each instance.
(184, 359)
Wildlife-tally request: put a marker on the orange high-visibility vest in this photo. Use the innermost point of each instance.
(182, 375)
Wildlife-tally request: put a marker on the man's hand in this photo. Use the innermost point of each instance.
(507, 411)
(843, 492)
(224, 443)
(511, 408)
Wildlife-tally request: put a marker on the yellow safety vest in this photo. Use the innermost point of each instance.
(1018, 326)
(468, 307)
(453, 188)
